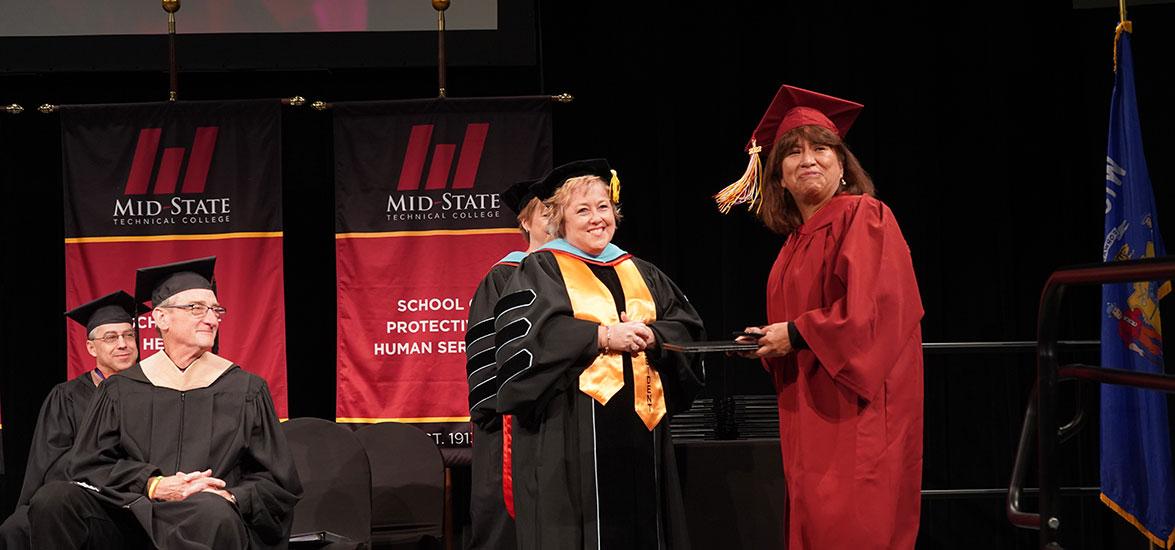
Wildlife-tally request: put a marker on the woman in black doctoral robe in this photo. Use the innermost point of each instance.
(579, 333)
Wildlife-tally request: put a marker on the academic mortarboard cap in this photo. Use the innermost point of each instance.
(794, 107)
(161, 282)
(116, 307)
(791, 108)
(600, 168)
(517, 196)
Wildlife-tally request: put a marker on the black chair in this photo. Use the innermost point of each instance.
(408, 486)
(335, 510)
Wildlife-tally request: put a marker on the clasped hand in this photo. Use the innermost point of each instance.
(181, 486)
(626, 336)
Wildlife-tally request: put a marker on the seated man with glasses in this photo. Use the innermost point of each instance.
(111, 340)
(183, 450)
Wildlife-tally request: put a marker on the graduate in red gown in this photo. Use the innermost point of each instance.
(844, 343)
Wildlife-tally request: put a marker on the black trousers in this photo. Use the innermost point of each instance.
(63, 515)
(14, 533)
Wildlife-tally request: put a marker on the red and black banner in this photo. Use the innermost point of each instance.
(149, 184)
(418, 223)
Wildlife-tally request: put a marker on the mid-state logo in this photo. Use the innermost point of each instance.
(456, 202)
(442, 158)
(169, 166)
(178, 210)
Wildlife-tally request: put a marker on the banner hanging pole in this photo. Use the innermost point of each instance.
(320, 105)
(49, 108)
(171, 6)
(441, 6)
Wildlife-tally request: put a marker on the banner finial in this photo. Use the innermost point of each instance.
(171, 6)
(441, 6)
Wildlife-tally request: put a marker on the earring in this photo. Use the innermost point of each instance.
(843, 182)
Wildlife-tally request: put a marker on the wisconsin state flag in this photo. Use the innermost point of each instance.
(1135, 439)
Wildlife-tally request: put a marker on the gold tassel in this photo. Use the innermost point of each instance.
(748, 187)
(615, 186)
(1124, 25)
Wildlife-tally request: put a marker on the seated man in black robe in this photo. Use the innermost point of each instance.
(111, 340)
(183, 450)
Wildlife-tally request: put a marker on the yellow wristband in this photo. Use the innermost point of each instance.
(151, 485)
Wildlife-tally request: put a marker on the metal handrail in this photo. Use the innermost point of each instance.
(1041, 411)
(1019, 345)
(1018, 517)
(930, 494)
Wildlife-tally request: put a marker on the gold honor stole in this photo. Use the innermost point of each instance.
(592, 301)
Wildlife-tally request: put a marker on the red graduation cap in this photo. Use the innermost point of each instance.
(791, 108)
(794, 107)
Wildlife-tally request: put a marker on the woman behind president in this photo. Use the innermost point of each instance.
(844, 343)
(491, 502)
(580, 329)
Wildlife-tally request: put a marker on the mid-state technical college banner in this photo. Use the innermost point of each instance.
(149, 184)
(418, 224)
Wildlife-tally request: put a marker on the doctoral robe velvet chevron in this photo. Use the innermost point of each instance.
(492, 528)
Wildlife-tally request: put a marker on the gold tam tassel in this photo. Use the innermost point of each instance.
(615, 187)
(747, 189)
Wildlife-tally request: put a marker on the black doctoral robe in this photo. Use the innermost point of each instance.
(137, 430)
(61, 413)
(588, 475)
(492, 527)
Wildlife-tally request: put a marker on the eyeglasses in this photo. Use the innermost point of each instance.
(199, 310)
(111, 338)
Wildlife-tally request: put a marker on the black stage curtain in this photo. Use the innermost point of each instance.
(984, 130)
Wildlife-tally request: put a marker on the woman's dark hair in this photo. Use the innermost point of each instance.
(779, 211)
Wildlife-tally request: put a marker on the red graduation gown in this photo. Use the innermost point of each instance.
(850, 406)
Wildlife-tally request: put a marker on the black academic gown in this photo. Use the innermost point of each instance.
(492, 527)
(61, 413)
(587, 475)
(137, 430)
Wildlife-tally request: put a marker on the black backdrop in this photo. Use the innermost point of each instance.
(984, 129)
